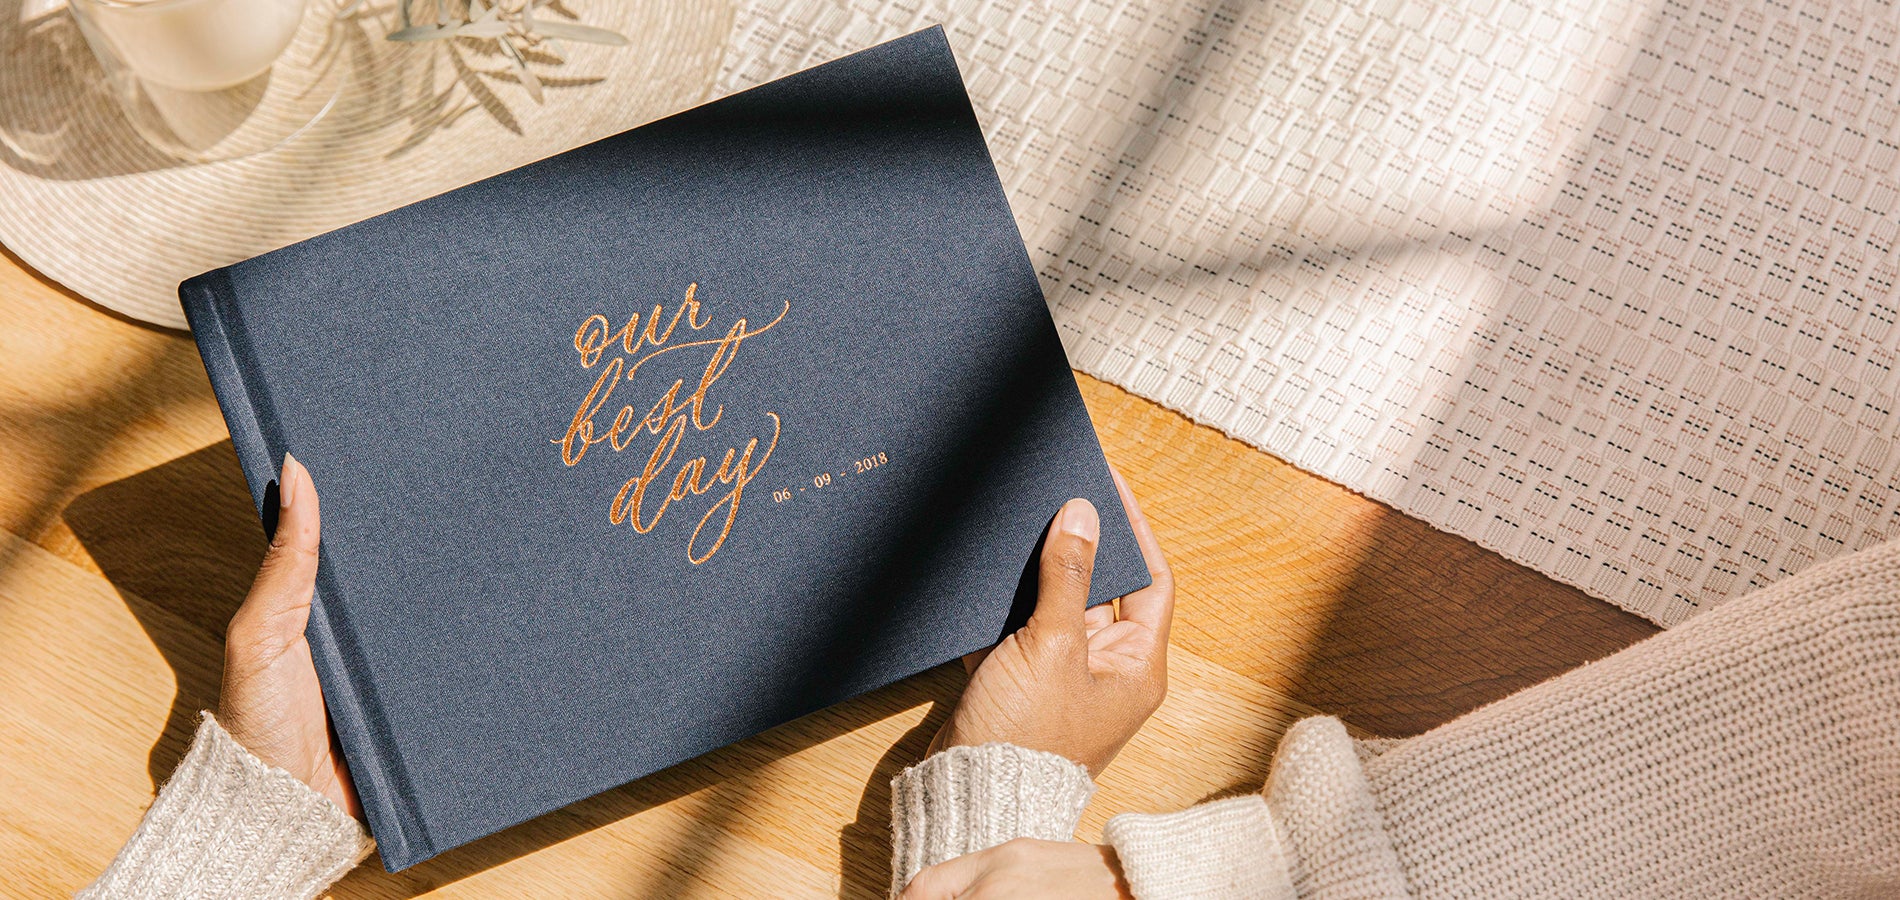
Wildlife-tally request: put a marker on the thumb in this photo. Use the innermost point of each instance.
(277, 609)
(1068, 561)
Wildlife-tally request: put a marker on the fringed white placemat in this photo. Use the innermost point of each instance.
(1605, 285)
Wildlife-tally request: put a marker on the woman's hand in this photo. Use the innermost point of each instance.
(271, 702)
(1025, 867)
(1074, 682)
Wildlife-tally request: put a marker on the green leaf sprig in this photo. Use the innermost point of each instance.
(514, 27)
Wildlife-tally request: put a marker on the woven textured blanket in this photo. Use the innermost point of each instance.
(1606, 286)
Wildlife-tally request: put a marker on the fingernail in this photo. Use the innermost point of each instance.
(287, 481)
(1078, 518)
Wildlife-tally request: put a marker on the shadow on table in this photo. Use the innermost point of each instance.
(1429, 627)
(1432, 626)
(181, 541)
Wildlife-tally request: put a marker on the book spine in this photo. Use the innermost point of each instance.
(394, 821)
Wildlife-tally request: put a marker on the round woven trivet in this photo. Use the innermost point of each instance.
(84, 200)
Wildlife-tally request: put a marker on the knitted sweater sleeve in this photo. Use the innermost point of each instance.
(229, 825)
(966, 799)
(1750, 752)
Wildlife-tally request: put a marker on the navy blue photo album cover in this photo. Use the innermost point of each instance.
(639, 450)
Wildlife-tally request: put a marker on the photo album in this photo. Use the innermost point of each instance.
(636, 451)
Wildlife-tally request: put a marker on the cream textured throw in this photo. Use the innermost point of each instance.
(1604, 285)
(1753, 752)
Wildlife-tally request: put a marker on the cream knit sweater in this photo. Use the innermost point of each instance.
(1752, 752)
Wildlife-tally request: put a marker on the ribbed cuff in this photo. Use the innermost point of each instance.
(1227, 850)
(228, 825)
(967, 799)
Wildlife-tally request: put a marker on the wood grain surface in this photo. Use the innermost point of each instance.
(127, 538)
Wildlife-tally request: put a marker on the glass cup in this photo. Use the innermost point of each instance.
(207, 80)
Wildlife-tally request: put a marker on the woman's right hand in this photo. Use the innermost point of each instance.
(1073, 681)
(271, 703)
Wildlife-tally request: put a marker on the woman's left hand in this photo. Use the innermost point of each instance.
(1025, 867)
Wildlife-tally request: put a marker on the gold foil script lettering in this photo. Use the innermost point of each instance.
(644, 498)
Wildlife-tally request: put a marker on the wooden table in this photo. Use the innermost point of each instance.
(128, 539)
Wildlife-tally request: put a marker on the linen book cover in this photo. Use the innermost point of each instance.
(644, 448)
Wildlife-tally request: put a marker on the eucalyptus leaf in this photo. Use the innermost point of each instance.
(517, 32)
(415, 33)
(482, 29)
(529, 80)
(569, 31)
